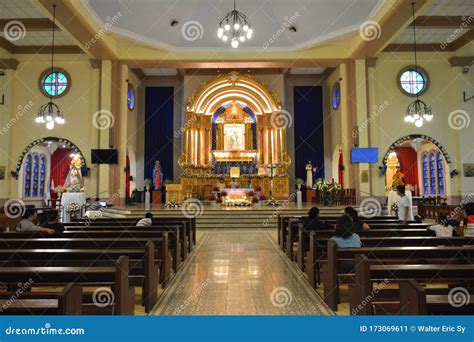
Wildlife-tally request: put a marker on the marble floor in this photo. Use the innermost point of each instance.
(239, 272)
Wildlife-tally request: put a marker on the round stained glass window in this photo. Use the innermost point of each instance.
(55, 83)
(336, 95)
(130, 97)
(413, 82)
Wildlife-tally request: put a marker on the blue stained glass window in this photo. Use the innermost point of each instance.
(55, 83)
(42, 176)
(426, 187)
(440, 169)
(336, 95)
(130, 97)
(432, 174)
(28, 176)
(413, 82)
(35, 176)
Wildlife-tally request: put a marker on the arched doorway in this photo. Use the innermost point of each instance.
(423, 161)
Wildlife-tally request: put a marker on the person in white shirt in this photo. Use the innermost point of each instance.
(443, 228)
(147, 221)
(403, 205)
(234, 184)
(27, 224)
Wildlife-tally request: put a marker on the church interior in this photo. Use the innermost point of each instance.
(240, 157)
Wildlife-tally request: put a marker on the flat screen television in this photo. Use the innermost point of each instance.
(104, 156)
(365, 155)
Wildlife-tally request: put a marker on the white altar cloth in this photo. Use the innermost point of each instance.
(71, 197)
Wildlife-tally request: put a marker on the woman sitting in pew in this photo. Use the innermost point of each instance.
(146, 221)
(359, 224)
(345, 237)
(50, 220)
(314, 223)
(445, 228)
(27, 223)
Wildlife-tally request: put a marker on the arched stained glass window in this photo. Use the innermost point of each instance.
(28, 164)
(426, 177)
(336, 95)
(432, 174)
(42, 176)
(130, 97)
(35, 175)
(440, 170)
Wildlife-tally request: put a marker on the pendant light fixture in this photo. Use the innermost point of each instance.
(417, 111)
(234, 27)
(49, 113)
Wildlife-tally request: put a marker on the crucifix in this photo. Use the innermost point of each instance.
(271, 167)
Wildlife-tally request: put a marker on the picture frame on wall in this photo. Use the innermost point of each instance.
(468, 170)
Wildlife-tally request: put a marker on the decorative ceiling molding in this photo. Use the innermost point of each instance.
(419, 48)
(443, 22)
(459, 61)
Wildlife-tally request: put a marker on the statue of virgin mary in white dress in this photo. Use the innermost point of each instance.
(309, 174)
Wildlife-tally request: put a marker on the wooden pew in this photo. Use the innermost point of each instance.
(162, 255)
(116, 276)
(175, 234)
(142, 269)
(318, 248)
(67, 302)
(414, 300)
(383, 255)
(362, 291)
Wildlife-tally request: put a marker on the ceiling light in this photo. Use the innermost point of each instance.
(237, 25)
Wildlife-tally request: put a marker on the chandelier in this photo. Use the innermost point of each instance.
(235, 26)
(49, 113)
(417, 111)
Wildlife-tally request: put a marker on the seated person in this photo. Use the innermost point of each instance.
(50, 220)
(26, 224)
(233, 184)
(345, 237)
(248, 185)
(359, 224)
(313, 222)
(146, 221)
(443, 228)
(469, 208)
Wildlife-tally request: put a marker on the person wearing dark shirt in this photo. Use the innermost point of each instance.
(50, 220)
(313, 222)
(359, 224)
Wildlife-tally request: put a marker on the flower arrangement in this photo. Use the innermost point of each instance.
(223, 194)
(73, 207)
(263, 198)
(59, 189)
(273, 203)
(148, 182)
(325, 186)
(216, 189)
(255, 199)
(212, 198)
(394, 206)
(219, 201)
(409, 187)
(299, 181)
(250, 194)
(258, 188)
(173, 204)
(167, 181)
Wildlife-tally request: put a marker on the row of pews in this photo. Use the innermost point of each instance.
(93, 267)
(400, 269)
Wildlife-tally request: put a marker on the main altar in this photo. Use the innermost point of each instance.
(234, 132)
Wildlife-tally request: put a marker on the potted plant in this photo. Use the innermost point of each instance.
(147, 183)
(299, 183)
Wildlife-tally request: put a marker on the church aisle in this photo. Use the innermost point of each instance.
(239, 272)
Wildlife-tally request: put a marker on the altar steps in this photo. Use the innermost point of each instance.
(235, 218)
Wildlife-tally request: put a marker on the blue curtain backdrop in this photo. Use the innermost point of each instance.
(159, 130)
(308, 121)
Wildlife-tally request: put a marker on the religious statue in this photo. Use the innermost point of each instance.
(157, 176)
(398, 179)
(74, 182)
(309, 174)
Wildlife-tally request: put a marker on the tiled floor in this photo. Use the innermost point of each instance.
(239, 272)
